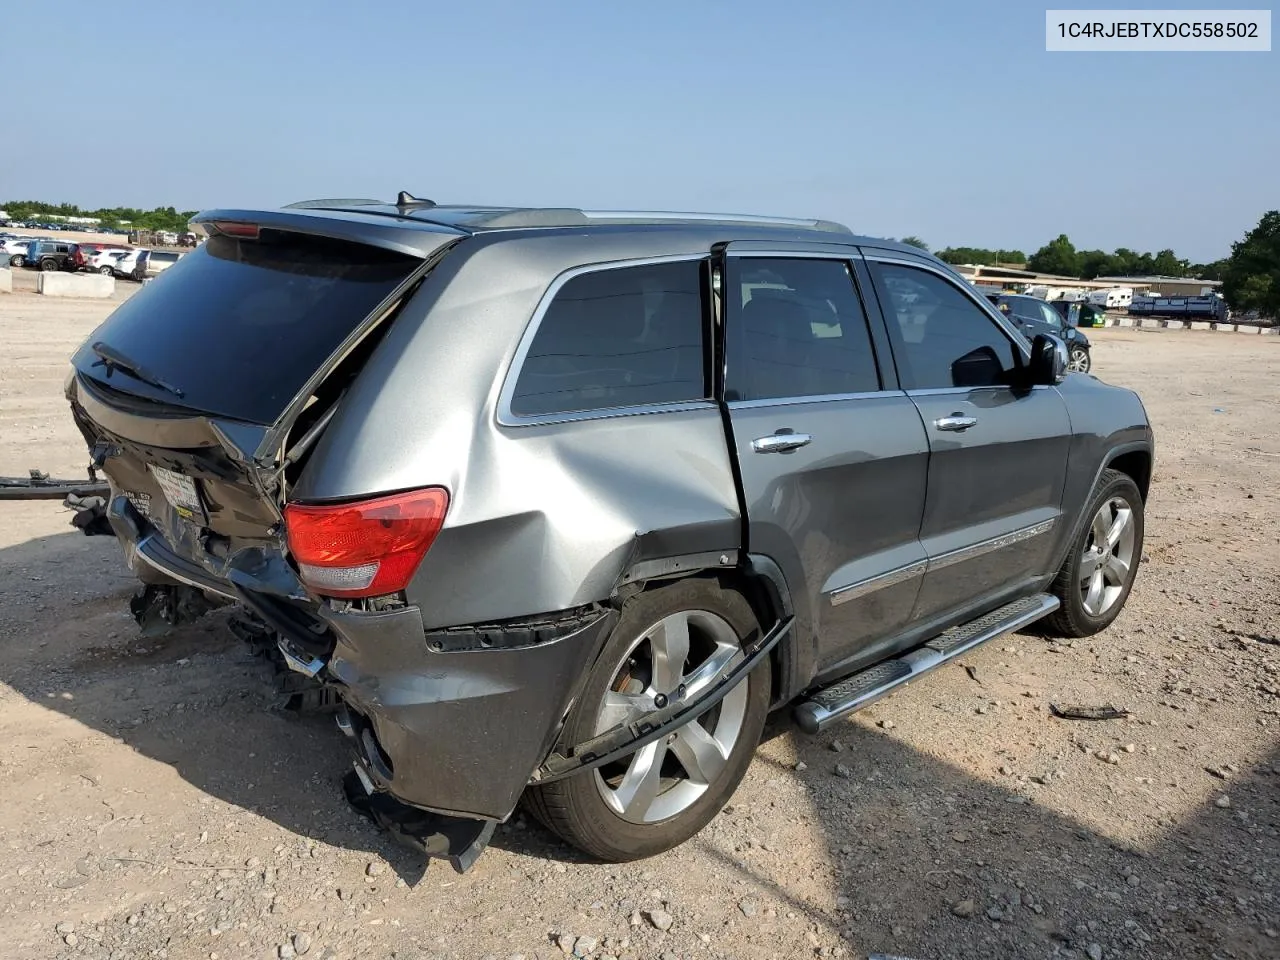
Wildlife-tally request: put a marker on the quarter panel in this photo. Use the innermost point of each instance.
(542, 517)
(1106, 420)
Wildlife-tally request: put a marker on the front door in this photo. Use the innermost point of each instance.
(998, 451)
(833, 464)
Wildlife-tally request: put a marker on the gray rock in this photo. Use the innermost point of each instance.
(661, 919)
(1006, 771)
(585, 946)
(566, 942)
(842, 771)
(70, 939)
(375, 868)
(65, 927)
(749, 908)
(1094, 950)
(887, 724)
(837, 746)
(301, 942)
(964, 908)
(286, 951)
(1223, 802)
(995, 914)
(801, 766)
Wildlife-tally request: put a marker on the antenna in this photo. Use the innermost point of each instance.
(407, 200)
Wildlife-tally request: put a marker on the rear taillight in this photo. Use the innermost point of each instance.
(368, 548)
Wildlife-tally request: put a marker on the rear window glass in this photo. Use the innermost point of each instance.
(239, 325)
(617, 337)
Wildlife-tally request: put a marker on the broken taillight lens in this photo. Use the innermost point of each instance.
(368, 548)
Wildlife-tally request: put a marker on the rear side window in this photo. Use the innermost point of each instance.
(240, 325)
(617, 337)
(796, 329)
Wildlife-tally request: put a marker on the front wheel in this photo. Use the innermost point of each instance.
(1098, 574)
(17, 260)
(105, 271)
(1079, 361)
(684, 633)
(48, 266)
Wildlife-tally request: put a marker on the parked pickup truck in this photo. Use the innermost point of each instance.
(560, 504)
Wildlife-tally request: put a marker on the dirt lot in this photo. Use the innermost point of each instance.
(156, 806)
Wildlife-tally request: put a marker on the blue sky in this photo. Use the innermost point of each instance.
(945, 120)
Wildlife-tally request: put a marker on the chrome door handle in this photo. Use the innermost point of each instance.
(780, 442)
(955, 423)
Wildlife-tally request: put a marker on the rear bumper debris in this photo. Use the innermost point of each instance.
(456, 733)
(456, 839)
(40, 486)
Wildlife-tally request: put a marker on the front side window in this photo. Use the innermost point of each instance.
(618, 337)
(941, 338)
(796, 329)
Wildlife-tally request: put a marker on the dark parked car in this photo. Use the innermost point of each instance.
(561, 504)
(1035, 316)
(50, 255)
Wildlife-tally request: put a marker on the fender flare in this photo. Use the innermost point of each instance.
(1109, 458)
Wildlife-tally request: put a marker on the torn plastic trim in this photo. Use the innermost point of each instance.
(517, 634)
(456, 839)
(618, 742)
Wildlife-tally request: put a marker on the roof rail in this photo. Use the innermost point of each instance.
(665, 215)
(572, 217)
(324, 204)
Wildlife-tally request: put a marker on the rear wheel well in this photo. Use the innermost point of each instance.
(1136, 464)
(761, 594)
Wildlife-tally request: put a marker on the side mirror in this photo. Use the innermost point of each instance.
(1049, 359)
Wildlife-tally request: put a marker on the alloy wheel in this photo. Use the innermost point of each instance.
(689, 649)
(1079, 361)
(1108, 557)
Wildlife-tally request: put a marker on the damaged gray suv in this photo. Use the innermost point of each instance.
(558, 505)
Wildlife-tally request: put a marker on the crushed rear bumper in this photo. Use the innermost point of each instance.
(457, 733)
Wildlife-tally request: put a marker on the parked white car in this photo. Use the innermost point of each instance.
(141, 264)
(105, 261)
(129, 266)
(13, 253)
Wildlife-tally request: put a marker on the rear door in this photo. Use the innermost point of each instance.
(833, 455)
(998, 451)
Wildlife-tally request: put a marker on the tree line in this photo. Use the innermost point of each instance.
(161, 218)
(1250, 275)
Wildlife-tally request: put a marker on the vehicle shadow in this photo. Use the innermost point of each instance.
(920, 858)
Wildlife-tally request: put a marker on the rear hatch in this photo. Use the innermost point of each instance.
(201, 394)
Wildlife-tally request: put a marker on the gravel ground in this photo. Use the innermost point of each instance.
(158, 806)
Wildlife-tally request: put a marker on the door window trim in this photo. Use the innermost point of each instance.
(1023, 345)
(849, 259)
(1020, 342)
(506, 418)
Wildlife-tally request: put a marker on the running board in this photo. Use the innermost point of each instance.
(829, 704)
